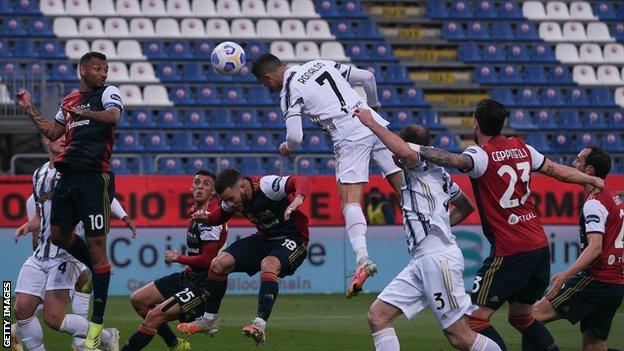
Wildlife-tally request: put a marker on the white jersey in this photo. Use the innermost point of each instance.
(427, 191)
(320, 90)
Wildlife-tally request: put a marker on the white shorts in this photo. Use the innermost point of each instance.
(39, 275)
(353, 159)
(434, 280)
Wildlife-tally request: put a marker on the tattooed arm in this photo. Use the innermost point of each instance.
(48, 127)
(569, 175)
(443, 158)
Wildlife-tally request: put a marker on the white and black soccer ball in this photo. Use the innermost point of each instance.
(228, 58)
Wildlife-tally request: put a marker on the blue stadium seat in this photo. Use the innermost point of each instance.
(51, 49)
(316, 142)
(381, 75)
(233, 95)
(453, 31)
(382, 51)
(469, 52)
(562, 143)
(250, 166)
(353, 9)
(511, 74)
(501, 30)
(307, 165)
(262, 96)
(148, 164)
(171, 166)
(461, 9)
(236, 142)
(207, 95)
(510, 10)
(272, 119)
(247, 119)
(194, 164)
(209, 142)
(40, 27)
(6, 7)
(478, 31)
(560, 75)
(129, 142)
(617, 165)
(5, 49)
(527, 96)
(13, 27)
(168, 73)
(617, 30)
(253, 49)
(604, 10)
(194, 72)
(367, 30)
(224, 163)
(521, 120)
(327, 166)
(26, 48)
(180, 50)
(156, 141)
(262, 142)
(141, 118)
(343, 30)
(602, 97)
(278, 165)
(203, 49)
(535, 74)
(568, 119)
(584, 140)
(210, 75)
(485, 10)
(539, 141)
(195, 119)
(119, 165)
(518, 53)
(544, 119)
(401, 118)
(552, 97)
(485, 75)
(327, 8)
(542, 53)
(181, 96)
(494, 53)
(183, 142)
(63, 72)
(168, 118)
(613, 142)
(594, 120)
(577, 97)
(357, 51)
(616, 120)
(526, 31)
(437, 9)
(24, 7)
(413, 96)
(221, 119)
(154, 50)
(502, 95)
(429, 118)
(447, 142)
(244, 76)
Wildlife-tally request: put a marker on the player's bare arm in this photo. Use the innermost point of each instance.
(570, 175)
(33, 224)
(447, 159)
(461, 208)
(110, 116)
(46, 126)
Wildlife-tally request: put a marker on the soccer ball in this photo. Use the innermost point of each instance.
(228, 58)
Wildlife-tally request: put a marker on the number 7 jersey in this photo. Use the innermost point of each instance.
(500, 180)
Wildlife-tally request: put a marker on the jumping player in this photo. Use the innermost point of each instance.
(87, 118)
(321, 90)
(591, 289)
(278, 248)
(180, 296)
(518, 268)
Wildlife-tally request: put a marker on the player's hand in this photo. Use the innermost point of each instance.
(598, 183)
(200, 216)
(365, 116)
(376, 108)
(21, 231)
(283, 150)
(24, 98)
(130, 224)
(171, 256)
(293, 206)
(557, 282)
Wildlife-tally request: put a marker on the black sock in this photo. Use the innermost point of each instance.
(491, 333)
(167, 334)
(526, 344)
(78, 248)
(269, 288)
(216, 286)
(141, 338)
(539, 337)
(101, 280)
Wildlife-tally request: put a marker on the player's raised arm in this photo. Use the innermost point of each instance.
(461, 205)
(48, 127)
(292, 105)
(356, 76)
(568, 174)
(299, 187)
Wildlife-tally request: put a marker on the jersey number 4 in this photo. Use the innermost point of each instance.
(327, 77)
(506, 201)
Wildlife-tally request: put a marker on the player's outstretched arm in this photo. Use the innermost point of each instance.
(367, 79)
(299, 187)
(48, 127)
(447, 159)
(569, 175)
(294, 135)
(462, 208)
(216, 217)
(109, 116)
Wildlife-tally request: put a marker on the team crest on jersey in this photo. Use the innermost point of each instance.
(115, 97)
(45, 196)
(592, 218)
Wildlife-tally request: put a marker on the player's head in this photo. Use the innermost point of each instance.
(93, 69)
(593, 161)
(416, 134)
(232, 189)
(269, 70)
(489, 118)
(203, 185)
(54, 147)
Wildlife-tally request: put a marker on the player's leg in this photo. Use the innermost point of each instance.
(590, 343)
(29, 292)
(381, 316)
(462, 337)
(144, 299)
(479, 321)
(535, 336)
(80, 299)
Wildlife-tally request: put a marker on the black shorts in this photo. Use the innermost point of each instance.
(521, 278)
(186, 292)
(83, 196)
(250, 251)
(592, 302)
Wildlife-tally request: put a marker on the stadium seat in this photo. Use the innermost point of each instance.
(535, 74)
(552, 97)
(343, 30)
(318, 29)
(36, 68)
(62, 26)
(608, 75)
(332, 50)
(352, 9)
(477, 31)
(178, 8)
(228, 8)
(521, 120)
(539, 141)
(453, 31)
(192, 28)
(292, 28)
(255, 49)
(494, 53)
(63, 72)
(141, 118)
(129, 142)
(128, 7)
(272, 119)
(224, 163)
(577, 97)
(557, 10)
(207, 95)
(51, 49)
(90, 27)
(367, 30)
(154, 49)
(533, 10)
(236, 141)
(401, 118)
(447, 142)
(501, 30)
(326, 8)
(118, 72)
(327, 166)
(195, 119)
(461, 9)
(181, 95)
(244, 28)
(75, 48)
(388, 96)
(613, 142)
(502, 95)
(303, 8)
(209, 142)
(156, 95)
(156, 142)
(142, 72)
(527, 97)
(278, 8)
(168, 118)
(261, 95)
(5, 49)
(247, 119)
(278, 165)
(116, 28)
(526, 31)
(560, 75)
(574, 31)
(550, 31)
(52, 7)
(204, 8)
(77, 7)
(382, 51)
(269, 28)
(584, 140)
(562, 143)
(398, 74)
(316, 142)
(119, 165)
(412, 96)
(616, 120)
(307, 165)
(142, 28)
(251, 166)
(193, 72)
(485, 10)
(262, 142)
(222, 119)
(253, 8)
(581, 10)
(510, 10)
(194, 164)
(590, 53)
(598, 32)
(167, 28)
(613, 53)
(605, 10)
(39, 27)
(567, 53)
(485, 75)
(357, 51)
(510, 74)
(584, 75)
(102, 8)
(602, 97)
(469, 52)
(568, 119)
(437, 9)
(234, 95)
(105, 46)
(153, 8)
(26, 48)
(180, 50)
(170, 166)
(202, 50)
(430, 119)
(168, 73)
(183, 142)
(593, 120)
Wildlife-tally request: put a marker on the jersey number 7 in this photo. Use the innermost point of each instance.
(327, 77)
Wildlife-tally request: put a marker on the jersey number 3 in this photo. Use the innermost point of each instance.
(506, 201)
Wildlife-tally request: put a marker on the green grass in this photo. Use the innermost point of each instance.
(323, 322)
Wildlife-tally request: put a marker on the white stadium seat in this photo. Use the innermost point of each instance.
(5, 95)
(333, 50)
(303, 8)
(567, 53)
(574, 31)
(116, 27)
(307, 50)
(581, 10)
(52, 7)
(243, 28)
(253, 8)
(608, 75)
(90, 27)
(550, 31)
(179, 8)
(153, 8)
(217, 28)
(128, 7)
(192, 28)
(75, 48)
(613, 53)
(584, 75)
(283, 49)
(533, 10)
(142, 72)
(141, 27)
(590, 53)
(292, 28)
(598, 31)
(65, 27)
(557, 10)
(156, 95)
(318, 29)
(278, 8)
(228, 8)
(118, 72)
(77, 7)
(619, 96)
(203, 8)
(129, 49)
(106, 47)
(167, 28)
(269, 28)
(103, 8)
(130, 95)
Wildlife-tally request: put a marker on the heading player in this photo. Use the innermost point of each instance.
(592, 288)
(87, 118)
(279, 247)
(434, 276)
(180, 296)
(518, 268)
(321, 90)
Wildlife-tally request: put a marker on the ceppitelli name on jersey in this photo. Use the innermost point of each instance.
(503, 155)
(310, 72)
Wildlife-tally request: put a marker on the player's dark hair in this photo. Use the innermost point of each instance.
(227, 179)
(206, 173)
(491, 116)
(264, 64)
(91, 55)
(600, 160)
(416, 134)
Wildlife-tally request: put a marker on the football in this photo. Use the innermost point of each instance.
(228, 58)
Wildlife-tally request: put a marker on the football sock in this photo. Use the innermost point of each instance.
(80, 304)
(483, 343)
(78, 248)
(216, 286)
(101, 280)
(29, 330)
(167, 335)
(74, 325)
(355, 222)
(539, 337)
(483, 327)
(386, 340)
(140, 339)
(267, 295)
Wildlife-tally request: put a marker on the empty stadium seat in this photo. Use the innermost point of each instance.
(567, 53)
(577, 97)
(63, 72)
(39, 27)
(209, 142)
(102, 7)
(574, 31)
(478, 31)
(194, 164)
(128, 7)
(153, 8)
(156, 95)
(75, 48)
(52, 7)
(234, 95)
(195, 119)
(593, 120)
(90, 27)
(307, 50)
(278, 165)
(228, 8)
(538, 141)
(502, 30)
(552, 97)
(608, 75)
(218, 28)
(327, 8)
(605, 10)
(303, 8)
(590, 53)
(587, 140)
(502, 95)
(560, 75)
(154, 49)
(557, 10)
(26, 48)
(533, 10)
(521, 120)
(141, 118)
(178, 8)
(619, 96)
(116, 27)
(527, 31)
(447, 141)
(207, 95)
(170, 166)
(357, 51)
(141, 27)
(318, 29)
(167, 28)
(236, 141)
(307, 165)
(461, 9)
(183, 142)
(485, 9)
(278, 8)
(616, 120)
(168, 73)
(117, 72)
(128, 142)
(568, 119)
(203, 8)
(142, 72)
(244, 28)
(602, 97)
(332, 50)
(192, 28)
(527, 97)
(283, 49)
(584, 75)
(494, 53)
(613, 53)
(550, 31)
(453, 31)
(77, 7)
(64, 27)
(562, 143)
(382, 51)
(253, 8)
(581, 10)
(618, 31)
(262, 142)
(485, 75)
(5, 49)
(51, 49)
(613, 142)
(598, 32)
(535, 74)
(131, 94)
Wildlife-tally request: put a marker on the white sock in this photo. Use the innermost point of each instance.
(386, 340)
(210, 316)
(30, 332)
(355, 223)
(260, 321)
(483, 343)
(74, 325)
(80, 304)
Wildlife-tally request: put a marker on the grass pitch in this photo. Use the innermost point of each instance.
(322, 322)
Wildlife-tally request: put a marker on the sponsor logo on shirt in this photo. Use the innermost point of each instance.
(115, 97)
(80, 123)
(276, 184)
(592, 218)
(611, 260)
(515, 219)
